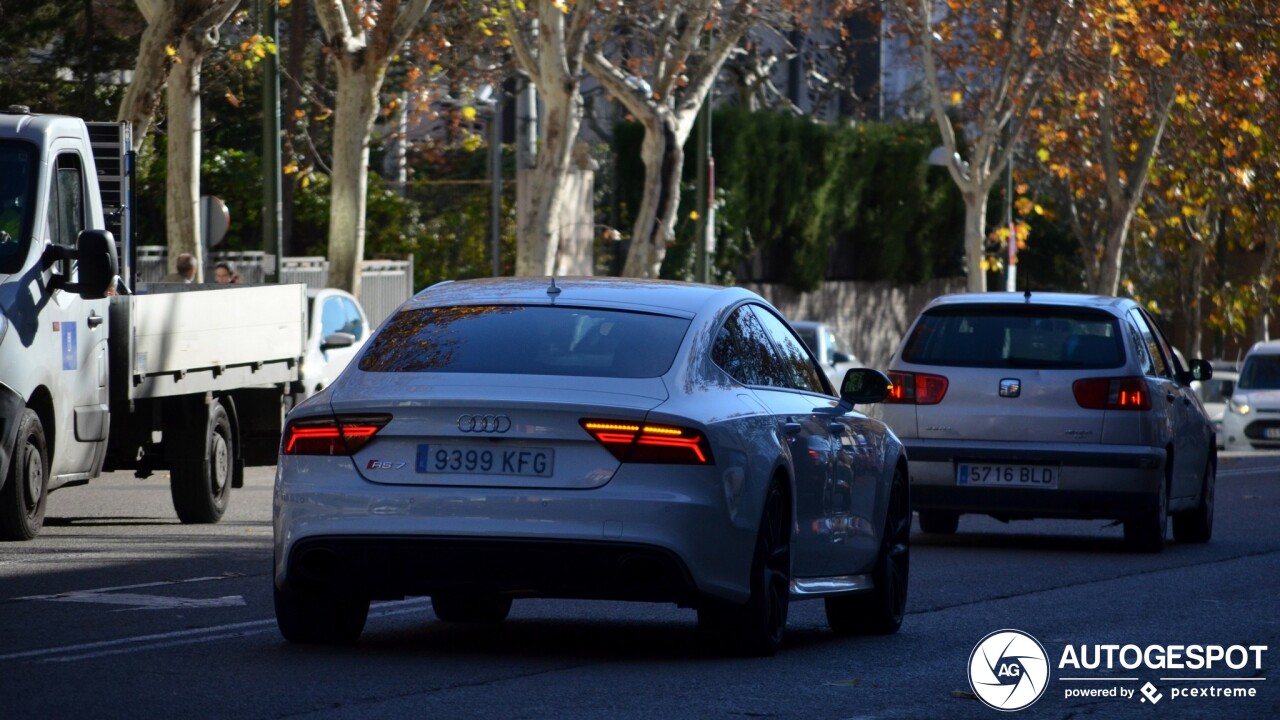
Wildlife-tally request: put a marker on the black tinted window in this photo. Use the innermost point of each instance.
(743, 350)
(1015, 336)
(799, 370)
(526, 340)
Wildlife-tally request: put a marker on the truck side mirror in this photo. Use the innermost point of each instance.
(97, 266)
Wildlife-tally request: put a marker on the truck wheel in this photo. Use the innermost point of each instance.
(23, 497)
(201, 467)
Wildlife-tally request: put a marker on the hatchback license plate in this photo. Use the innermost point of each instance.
(1030, 476)
(1271, 433)
(470, 459)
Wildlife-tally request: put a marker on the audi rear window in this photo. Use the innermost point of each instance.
(1016, 336)
(526, 340)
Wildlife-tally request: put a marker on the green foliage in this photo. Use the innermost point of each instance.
(816, 201)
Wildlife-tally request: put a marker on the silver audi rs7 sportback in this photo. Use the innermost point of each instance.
(599, 438)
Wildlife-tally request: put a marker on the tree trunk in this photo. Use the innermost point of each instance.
(540, 224)
(1113, 251)
(663, 154)
(354, 113)
(143, 96)
(975, 238)
(1270, 255)
(183, 183)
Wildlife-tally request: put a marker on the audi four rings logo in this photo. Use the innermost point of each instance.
(484, 423)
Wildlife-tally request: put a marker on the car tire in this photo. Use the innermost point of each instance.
(470, 608)
(756, 628)
(25, 492)
(319, 617)
(202, 466)
(880, 611)
(939, 522)
(1196, 525)
(1146, 532)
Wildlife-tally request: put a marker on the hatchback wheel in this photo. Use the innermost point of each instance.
(880, 611)
(756, 628)
(1196, 525)
(320, 617)
(470, 608)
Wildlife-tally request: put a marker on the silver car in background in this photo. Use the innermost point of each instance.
(1044, 405)
(591, 438)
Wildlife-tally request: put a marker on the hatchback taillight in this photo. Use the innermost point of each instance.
(916, 388)
(1125, 393)
(342, 435)
(650, 443)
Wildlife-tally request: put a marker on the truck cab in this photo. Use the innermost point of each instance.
(95, 376)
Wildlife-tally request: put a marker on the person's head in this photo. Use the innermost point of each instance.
(223, 273)
(186, 266)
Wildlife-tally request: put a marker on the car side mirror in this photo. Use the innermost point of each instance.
(1200, 370)
(838, 357)
(96, 266)
(863, 386)
(337, 340)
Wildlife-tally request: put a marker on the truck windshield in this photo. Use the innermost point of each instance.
(18, 165)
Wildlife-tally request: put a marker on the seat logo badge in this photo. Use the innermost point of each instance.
(484, 423)
(1010, 387)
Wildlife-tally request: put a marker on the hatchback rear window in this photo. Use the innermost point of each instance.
(526, 340)
(1016, 336)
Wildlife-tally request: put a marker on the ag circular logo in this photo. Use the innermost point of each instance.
(1008, 670)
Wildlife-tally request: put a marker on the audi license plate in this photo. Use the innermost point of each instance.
(1028, 476)
(1271, 433)
(528, 461)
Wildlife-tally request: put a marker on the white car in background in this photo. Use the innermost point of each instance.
(832, 354)
(1252, 417)
(337, 328)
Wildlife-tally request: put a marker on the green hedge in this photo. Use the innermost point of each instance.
(817, 201)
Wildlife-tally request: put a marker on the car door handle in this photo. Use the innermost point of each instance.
(791, 429)
(95, 319)
(1170, 397)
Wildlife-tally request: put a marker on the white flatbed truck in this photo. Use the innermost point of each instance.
(98, 376)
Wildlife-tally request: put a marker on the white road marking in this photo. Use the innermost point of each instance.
(144, 643)
(137, 601)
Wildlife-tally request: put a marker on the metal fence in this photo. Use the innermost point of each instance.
(385, 284)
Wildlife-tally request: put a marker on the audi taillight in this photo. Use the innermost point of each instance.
(341, 435)
(1125, 393)
(650, 443)
(916, 388)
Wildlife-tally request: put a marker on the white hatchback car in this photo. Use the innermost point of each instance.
(1045, 405)
(1252, 418)
(590, 438)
